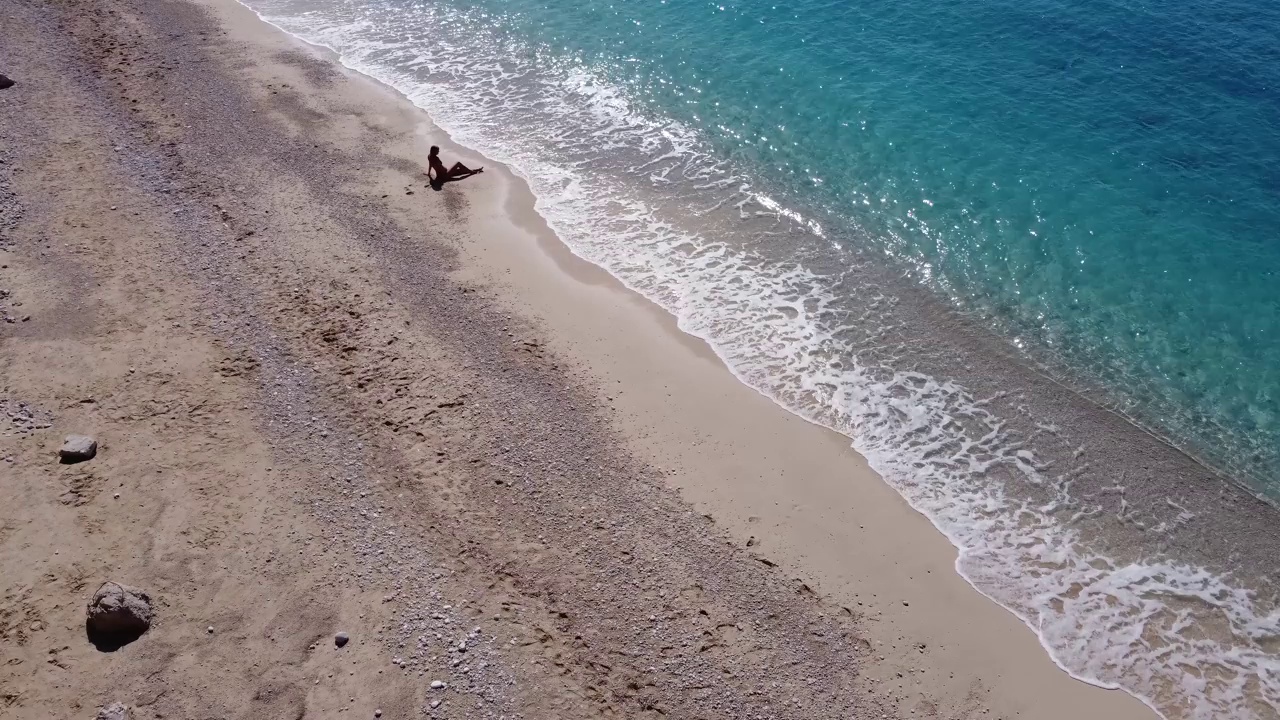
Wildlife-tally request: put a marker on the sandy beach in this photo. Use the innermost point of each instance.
(329, 398)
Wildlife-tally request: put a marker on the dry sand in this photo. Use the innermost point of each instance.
(331, 399)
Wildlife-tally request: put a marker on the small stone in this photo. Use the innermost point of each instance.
(437, 685)
(117, 615)
(5, 83)
(435, 704)
(77, 448)
(377, 713)
(114, 711)
(341, 639)
(210, 629)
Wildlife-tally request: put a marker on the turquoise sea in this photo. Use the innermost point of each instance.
(975, 236)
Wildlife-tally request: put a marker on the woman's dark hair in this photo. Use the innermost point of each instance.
(435, 149)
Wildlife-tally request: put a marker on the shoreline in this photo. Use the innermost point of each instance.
(1157, 464)
(559, 264)
(335, 415)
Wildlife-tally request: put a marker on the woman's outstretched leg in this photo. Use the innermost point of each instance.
(459, 170)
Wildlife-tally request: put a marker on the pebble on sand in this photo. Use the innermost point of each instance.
(114, 711)
(5, 83)
(437, 685)
(77, 448)
(341, 639)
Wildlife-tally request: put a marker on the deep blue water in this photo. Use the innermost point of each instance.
(1101, 179)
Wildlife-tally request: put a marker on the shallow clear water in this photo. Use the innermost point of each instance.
(869, 209)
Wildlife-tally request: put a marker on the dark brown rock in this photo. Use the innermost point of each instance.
(117, 616)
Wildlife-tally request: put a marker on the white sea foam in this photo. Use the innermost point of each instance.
(644, 197)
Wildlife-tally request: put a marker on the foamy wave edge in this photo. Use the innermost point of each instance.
(1084, 636)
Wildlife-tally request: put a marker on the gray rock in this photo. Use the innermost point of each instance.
(78, 448)
(5, 83)
(117, 616)
(114, 711)
(437, 685)
(341, 639)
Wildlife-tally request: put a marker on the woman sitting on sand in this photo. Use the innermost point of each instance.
(457, 172)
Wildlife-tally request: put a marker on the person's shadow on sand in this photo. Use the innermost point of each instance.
(438, 175)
